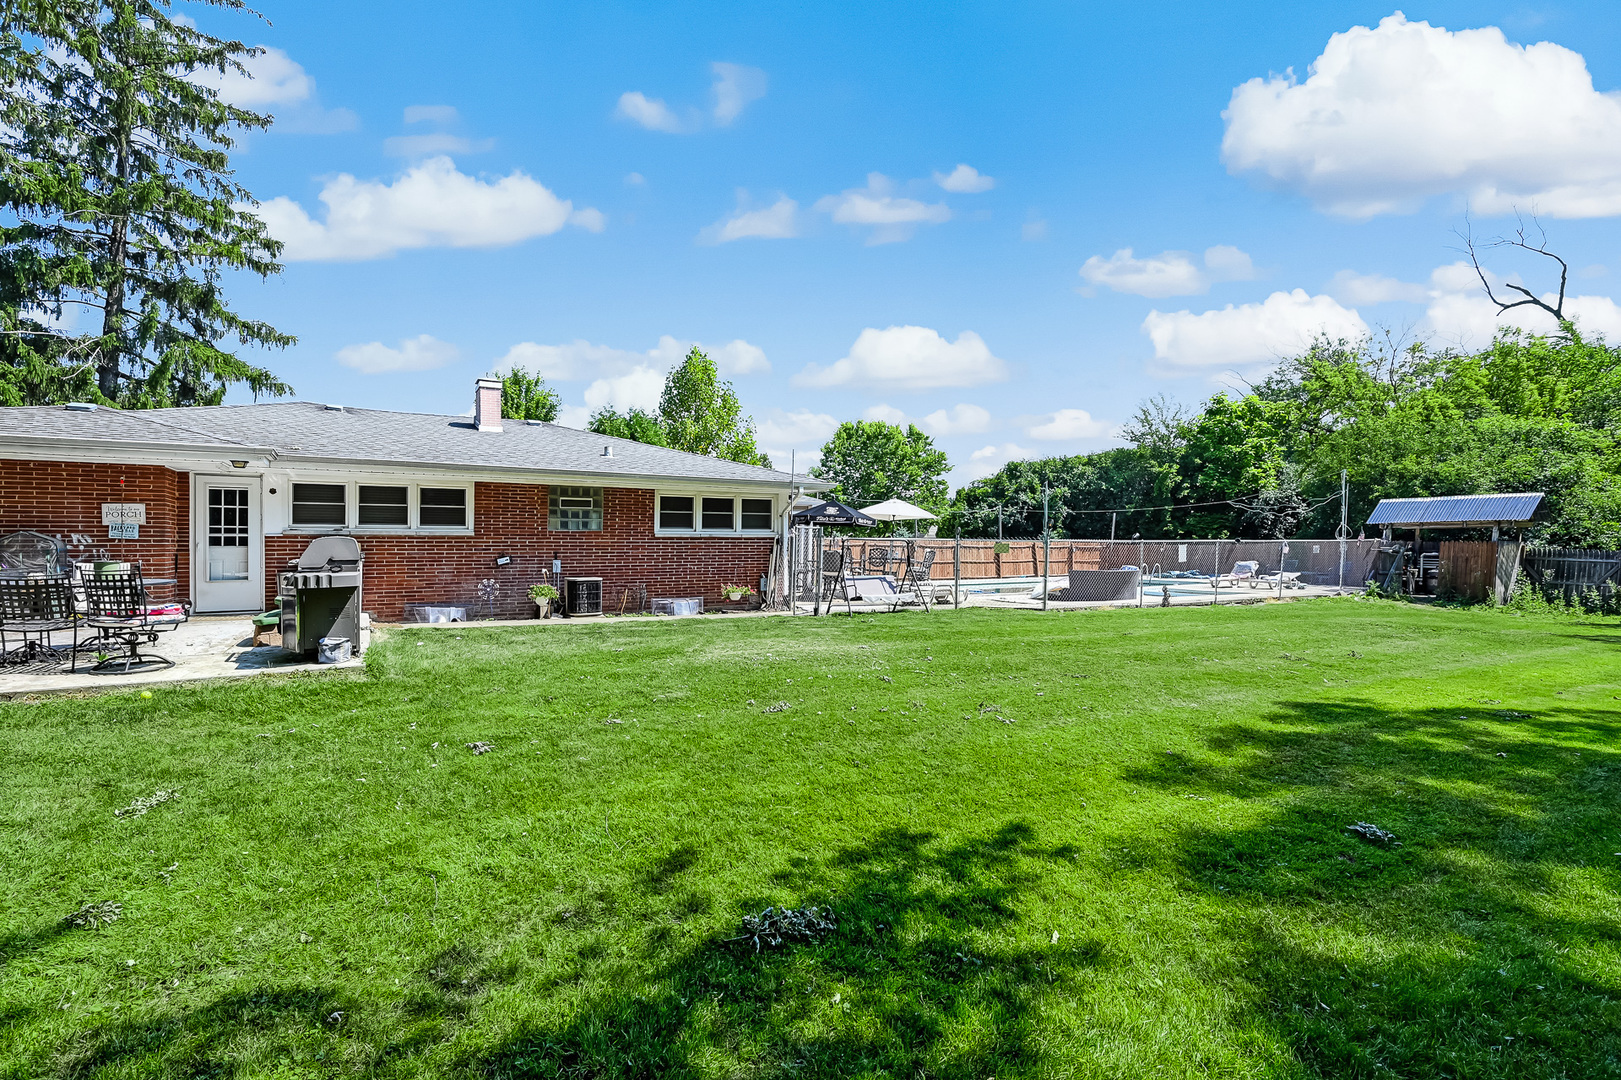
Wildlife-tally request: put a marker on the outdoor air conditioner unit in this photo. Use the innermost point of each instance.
(582, 596)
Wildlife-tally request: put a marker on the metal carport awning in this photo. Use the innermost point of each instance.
(1457, 511)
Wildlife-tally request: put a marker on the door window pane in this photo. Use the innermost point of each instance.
(319, 504)
(574, 509)
(717, 514)
(757, 514)
(675, 512)
(442, 508)
(384, 505)
(227, 554)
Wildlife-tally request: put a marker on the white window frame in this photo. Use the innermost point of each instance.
(351, 507)
(698, 496)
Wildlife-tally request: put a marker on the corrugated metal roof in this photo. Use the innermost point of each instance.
(1457, 510)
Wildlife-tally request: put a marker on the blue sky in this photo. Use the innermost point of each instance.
(894, 211)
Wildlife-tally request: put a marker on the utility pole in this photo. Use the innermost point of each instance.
(1046, 547)
(999, 523)
(1344, 532)
(1112, 515)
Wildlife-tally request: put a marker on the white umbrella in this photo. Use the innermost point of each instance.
(897, 510)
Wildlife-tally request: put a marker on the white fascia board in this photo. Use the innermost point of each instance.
(179, 456)
(507, 475)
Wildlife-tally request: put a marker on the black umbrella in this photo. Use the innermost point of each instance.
(832, 513)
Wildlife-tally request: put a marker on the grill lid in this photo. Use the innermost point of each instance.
(326, 550)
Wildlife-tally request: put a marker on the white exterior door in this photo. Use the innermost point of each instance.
(228, 556)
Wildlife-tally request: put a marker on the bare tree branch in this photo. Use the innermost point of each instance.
(1522, 240)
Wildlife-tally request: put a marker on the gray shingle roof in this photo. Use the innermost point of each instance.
(1457, 510)
(306, 431)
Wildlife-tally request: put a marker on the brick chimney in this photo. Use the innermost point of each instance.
(487, 404)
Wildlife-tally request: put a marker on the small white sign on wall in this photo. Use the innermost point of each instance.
(123, 513)
(119, 531)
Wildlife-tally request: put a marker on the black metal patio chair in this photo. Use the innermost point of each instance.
(117, 609)
(35, 608)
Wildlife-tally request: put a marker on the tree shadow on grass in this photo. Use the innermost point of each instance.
(1484, 945)
(918, 979)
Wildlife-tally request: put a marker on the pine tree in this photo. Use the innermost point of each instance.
(114, 168)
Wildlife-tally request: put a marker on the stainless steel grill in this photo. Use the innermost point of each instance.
(321, 594)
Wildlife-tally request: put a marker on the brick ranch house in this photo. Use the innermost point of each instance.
(230, 494)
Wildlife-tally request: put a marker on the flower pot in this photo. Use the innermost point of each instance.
(543, 609)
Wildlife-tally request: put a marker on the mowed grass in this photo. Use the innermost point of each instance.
(1103, 844)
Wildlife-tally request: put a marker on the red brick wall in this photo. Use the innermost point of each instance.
(510, 519)
(63, 498)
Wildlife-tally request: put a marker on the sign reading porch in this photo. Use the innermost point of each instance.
(123, 513)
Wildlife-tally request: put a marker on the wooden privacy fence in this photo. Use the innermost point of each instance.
(1576, 574)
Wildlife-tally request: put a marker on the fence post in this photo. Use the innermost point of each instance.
(1142, 574)
(956, 571)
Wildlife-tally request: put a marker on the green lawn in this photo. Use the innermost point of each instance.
(1101, 844)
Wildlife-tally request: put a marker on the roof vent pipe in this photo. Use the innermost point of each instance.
(487, 404)
(607, 451)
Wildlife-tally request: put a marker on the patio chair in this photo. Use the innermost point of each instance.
(882, 559)
(36, 607)
(918, 581)
(118, 610)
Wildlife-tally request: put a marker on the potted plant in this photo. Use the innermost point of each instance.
(734, 593)
(543, 595)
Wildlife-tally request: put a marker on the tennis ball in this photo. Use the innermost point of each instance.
(146, 693)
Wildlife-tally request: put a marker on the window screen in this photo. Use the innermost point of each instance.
(718, 514)
(757, 514)
(384, 505)
(442, 508)
(675, 511)
(574, 509)
(319, 504)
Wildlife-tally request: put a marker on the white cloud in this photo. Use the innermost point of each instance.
(1032, 231)
(1248, 336)
(581, 359)
(909, 358)
(962, 419)
(1391, 116)
(964, 180)
(273, 78)
(635, 179)
(796, 437)
(276, 82)
(987, 460)
(735, 86)
(432, 143)
(421, 353)
(885, 414)
(1350, 287)
(1170, 273)
(431, 114)
(890, 216)
(1067, 425)
(638, 388)
(574, 416)
(650, 113)
(430, 205)
(779, 221)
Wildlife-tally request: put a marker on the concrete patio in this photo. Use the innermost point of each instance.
(206, 647)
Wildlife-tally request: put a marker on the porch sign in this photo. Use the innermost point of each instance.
(123, 513)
